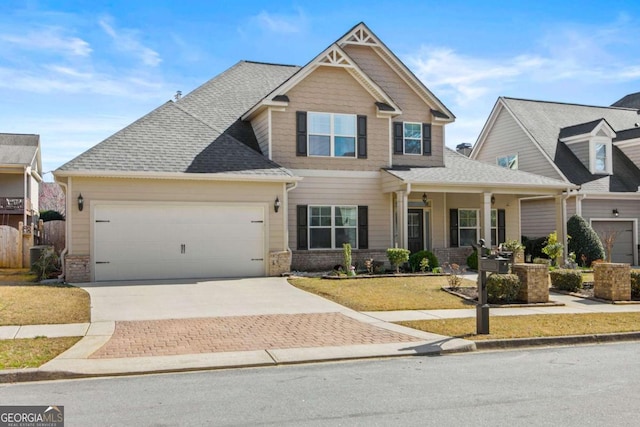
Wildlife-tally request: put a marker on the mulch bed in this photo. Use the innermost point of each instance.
(471, 294)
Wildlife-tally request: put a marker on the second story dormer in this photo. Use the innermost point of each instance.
(355, 106)
(591, 142)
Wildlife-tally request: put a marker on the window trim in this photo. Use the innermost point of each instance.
(477, 227)
(607, 153)
(333, 226)
(507, 157)
(332, 135)
(404, 139)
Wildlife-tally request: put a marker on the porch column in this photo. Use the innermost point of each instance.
(561, 224)
(486, 219)
(401, 219)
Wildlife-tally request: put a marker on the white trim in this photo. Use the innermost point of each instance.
(627, 142)
(477, 227)
(593, 146)
(332, 135)
(333, 226)
(404, 139)
(269, 134)
(335, 173)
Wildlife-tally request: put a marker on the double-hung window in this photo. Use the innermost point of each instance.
(412, 136)
(494, 227)
(331, 226)
(601, 158)
(332, 135)
(468, 226)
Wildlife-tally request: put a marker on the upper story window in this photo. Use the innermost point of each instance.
(332, 135)
(412, 136)
(509, 162)
(601, 158)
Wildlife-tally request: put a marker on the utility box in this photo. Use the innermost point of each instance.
(494, 265)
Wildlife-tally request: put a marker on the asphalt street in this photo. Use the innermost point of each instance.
(561, 386)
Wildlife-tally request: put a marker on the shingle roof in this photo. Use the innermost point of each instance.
(549, 121)
(630, 101)
(623, 135)
(200, 133)
(460, 170)
(18, 149)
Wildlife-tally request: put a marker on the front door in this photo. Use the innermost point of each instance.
(415, 230)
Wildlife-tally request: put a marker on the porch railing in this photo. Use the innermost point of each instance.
(15, 205)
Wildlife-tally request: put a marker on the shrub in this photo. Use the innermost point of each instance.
(512, 246)
(553, 248)
(346, 257)
(566, 280)
(416, 258)
(47, 216)
(397, 257)
(584, 241)
(635, 285)
(455, 275)
(533, 247)
(46, 264)
(502, 288)
(472, 260)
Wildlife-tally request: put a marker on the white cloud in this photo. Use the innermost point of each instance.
(49, 39)
(127, 41)
(283, 24)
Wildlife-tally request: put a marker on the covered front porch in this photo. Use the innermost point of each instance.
(446, 209)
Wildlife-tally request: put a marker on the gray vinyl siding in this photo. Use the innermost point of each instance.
(505, 138)
(11, 185)
(538, 217)
(602, 209)
(261, 129)
(581, 150)
(632, 152)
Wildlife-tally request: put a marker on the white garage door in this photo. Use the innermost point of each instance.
(158, 241)
(623, 245)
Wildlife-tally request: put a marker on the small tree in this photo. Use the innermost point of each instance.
(397, 257)
(346, 255)
(553, 248)
(584, 241)
(608, 240)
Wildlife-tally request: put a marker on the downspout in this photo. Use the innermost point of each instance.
(66, 230)
(565, 243)
(24, 199)
(289, 187)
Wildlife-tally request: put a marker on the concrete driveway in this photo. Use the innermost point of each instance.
(153, 300)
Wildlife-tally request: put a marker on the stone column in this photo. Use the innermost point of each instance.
(534, 282)
(612, 281)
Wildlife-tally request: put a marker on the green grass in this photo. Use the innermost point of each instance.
(31, 353)
(544, 325)
(386, 293)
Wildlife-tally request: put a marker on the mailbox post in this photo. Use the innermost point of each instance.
(487, 263)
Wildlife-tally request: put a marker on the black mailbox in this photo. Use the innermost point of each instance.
(494, 265)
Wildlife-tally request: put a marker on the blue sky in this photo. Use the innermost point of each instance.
(75, 72)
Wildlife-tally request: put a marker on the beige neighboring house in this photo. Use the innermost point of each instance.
(594, 148)
(20, 177)
(269, 168)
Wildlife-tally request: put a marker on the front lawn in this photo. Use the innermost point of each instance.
(532, 326)
(386, 293)
(31, 353)
(39, 305)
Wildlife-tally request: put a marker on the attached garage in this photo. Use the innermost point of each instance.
(624, 231)
(143, 241)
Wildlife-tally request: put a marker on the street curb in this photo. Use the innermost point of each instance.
(507, 344)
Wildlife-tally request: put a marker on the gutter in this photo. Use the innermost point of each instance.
(66, 231)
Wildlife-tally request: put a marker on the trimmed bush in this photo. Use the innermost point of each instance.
(635, 284)
(584, 241)
(566, 280)
(47, 216)
(416, 258)
(533, 247)
(472, 260)
(397, 257)
(502, 288)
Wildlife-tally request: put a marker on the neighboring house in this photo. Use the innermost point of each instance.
(595, 148)
(270, 168)
(20, 177)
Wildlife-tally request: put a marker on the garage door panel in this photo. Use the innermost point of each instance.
(623, 244)
(150, 241)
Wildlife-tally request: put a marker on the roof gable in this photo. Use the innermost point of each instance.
(20, 149)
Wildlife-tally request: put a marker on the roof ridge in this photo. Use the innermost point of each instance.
(268, 63)
(568, 103)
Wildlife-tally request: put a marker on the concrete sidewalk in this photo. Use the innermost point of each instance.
(293, 327)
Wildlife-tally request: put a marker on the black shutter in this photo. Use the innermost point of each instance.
(301, 222)
(453, 228)
(501, 226)
(301, 133)
(362, 137)
(426, 139)
(398, 138)
(363, 227)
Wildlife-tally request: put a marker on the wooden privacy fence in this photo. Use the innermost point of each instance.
(14, 247)
(53, 233)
